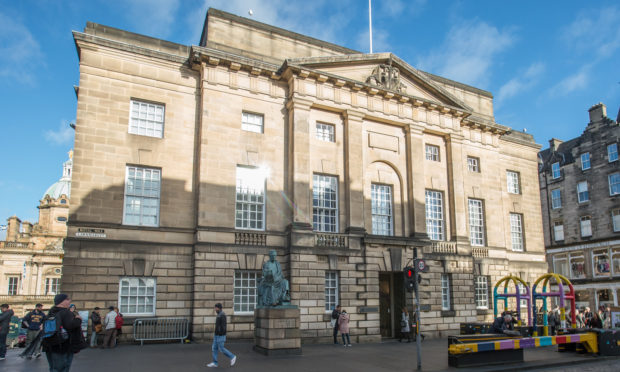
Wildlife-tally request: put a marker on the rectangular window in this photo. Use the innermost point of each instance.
(331, 290)
(482, 292)
(325, 132)
(142, 189)
(558, 231)
(250, 199)
(612, 152)
(445, 292)
(577, 266)
(473, 164)
(516, 231)
(381, 200)
(601, 263)
(325, 203)
(614, 183)
(512, 180)
(556, 199)
(582, 192)
(136, 296)
(586, 226)
(476, 222)
(523, 291)
(585, 161)
(555, 170)
(245, 291)
(52, 286)
(434, 215)
(432, 153)
(146, 119)
(615, 219)
(560, 265)
(615, 262)
(12, 286)
(252, 122)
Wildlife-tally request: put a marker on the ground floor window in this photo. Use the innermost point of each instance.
(577, 266)
(445, 292)
(482, 292)
(245, 291)
(331, 290)
(137, 296)
(52, 286)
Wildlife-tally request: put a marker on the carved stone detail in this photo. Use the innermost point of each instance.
(388, 77)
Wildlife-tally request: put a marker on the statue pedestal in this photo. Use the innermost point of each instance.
(276, 330)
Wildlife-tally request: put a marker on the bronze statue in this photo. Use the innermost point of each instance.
(273, 288)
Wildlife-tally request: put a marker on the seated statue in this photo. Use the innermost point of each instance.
(273, 288)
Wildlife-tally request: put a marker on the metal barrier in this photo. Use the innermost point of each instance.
(155, 329)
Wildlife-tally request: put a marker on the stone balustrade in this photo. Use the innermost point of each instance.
(331, 240)
(444, 247)
(250, 238)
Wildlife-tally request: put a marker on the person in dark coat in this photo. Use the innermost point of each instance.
(95, 319)
(5, 321)
(335, 317)
(219, 338)
(60, 357)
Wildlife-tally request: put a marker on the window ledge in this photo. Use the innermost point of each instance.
(242, 318)
(483, 311)
(448, 313)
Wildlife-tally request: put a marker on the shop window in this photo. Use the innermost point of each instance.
(577, 266)
(560, 265)
(600, 261)
(615, 262)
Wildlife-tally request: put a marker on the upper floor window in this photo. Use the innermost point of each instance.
(555, 170)
(137, 296)
(600, 261)
(252, 122)
(434, 215)
(582, 192)
(560, 265)
(52, 286)
(245, 291)
(13, 282)
(558, 231)
(585, 224)
(250, 199)
(147, 119)
(432, 152)
(615, 219)
(556, 199)
(585, 161)
(142, 189)
(612, 152)
(325, 132)
(614, 183)
(512, 180)
(473, 164)
(381, 200)
(325, 203)
(476, 222)
(331, 290)
(516, 231)
(577, 265)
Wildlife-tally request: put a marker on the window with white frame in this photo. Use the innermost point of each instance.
(585, 224)
(142, 190)
(577, 265)
(585, 161)
(582, 192)
(473, 164)
(615, 261)
(512, 181)
(13, 283)
(615, 219)
(556, 199)
(445, 292)
(52, 286)
(612, 152)
(560, 265)
(381, 203)
(558, 231)
(476, 222)
(252, 122)
(325, 132)
(601, 263)
(482, 292)
(245, 291)
(523, 291)
(146, 119)
(325, 203)
(250, 199)
(614, 183)
(331, 290)
(434, 215)
(137, 296)
(555, 170)
(432, 152)
(516, 231)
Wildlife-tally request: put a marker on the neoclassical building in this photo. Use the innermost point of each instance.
(31, 255)
(193, 162)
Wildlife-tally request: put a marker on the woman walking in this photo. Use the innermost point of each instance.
(405, 325)
(343, 325)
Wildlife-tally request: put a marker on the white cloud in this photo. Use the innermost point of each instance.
(521, 83)
(596, 31)
(571, 83)
(62, 136)
(468, 52)
(380, 41)
(398, 8)
(152, 17)
(19, 51)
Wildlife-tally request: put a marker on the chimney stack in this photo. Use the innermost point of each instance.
(554, 143)
(12, 231)
(597, 112)
(27, 229)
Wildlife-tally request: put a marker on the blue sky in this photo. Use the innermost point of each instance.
(546, 62)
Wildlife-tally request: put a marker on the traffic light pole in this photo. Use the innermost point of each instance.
(417, 311)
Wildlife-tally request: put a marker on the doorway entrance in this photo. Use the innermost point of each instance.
(391, 300)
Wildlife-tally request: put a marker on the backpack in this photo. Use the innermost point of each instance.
(53, 331)
(118, 321)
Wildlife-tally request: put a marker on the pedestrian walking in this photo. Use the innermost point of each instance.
(334, 321)
(119, 324)
(405, 325)
(579, 320)
(553, 320)
(59, 349)
(588, 316)
(110, 328)
(219, 338)
(33, 321)
(596, 321)
(96, 326)
(5, 321)
(343, 326)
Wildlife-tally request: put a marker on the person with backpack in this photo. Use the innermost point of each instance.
(119, 325)
(5, 321)
(110, 328)
(33, 321)
(62, 331)
(96, 327)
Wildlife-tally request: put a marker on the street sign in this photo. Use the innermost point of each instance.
(421, 265)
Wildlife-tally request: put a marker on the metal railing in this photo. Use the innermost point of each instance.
(157, 329)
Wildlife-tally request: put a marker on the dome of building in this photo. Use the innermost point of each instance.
(63, 185)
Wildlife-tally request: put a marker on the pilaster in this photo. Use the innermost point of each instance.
(354, 170)
(415, 179)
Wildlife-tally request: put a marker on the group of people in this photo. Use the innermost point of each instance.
(340, 323)
(584, 318)
(111, 326)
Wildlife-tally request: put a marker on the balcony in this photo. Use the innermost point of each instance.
(479, 252)
(444, 247)
(330, 240)
(14, 245)
(250, 238)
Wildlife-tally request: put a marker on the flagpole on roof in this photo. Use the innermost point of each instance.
(370, 23)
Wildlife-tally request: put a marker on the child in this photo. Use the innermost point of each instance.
(343, 325)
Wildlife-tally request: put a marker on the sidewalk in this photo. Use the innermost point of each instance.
(386, 356)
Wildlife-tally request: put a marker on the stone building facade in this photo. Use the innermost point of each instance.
(31, 255)
(192, 162)
(580, 195)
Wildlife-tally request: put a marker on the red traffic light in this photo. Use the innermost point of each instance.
(409, 272)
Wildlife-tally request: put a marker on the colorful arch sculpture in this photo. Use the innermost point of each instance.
(561, 281)
(505, 296)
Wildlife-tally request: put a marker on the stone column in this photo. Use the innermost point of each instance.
(354, 171)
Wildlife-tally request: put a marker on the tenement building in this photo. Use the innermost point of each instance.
(580, 194)
(193, 162)
(31, 255)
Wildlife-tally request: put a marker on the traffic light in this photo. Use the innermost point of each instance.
(410, 278)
